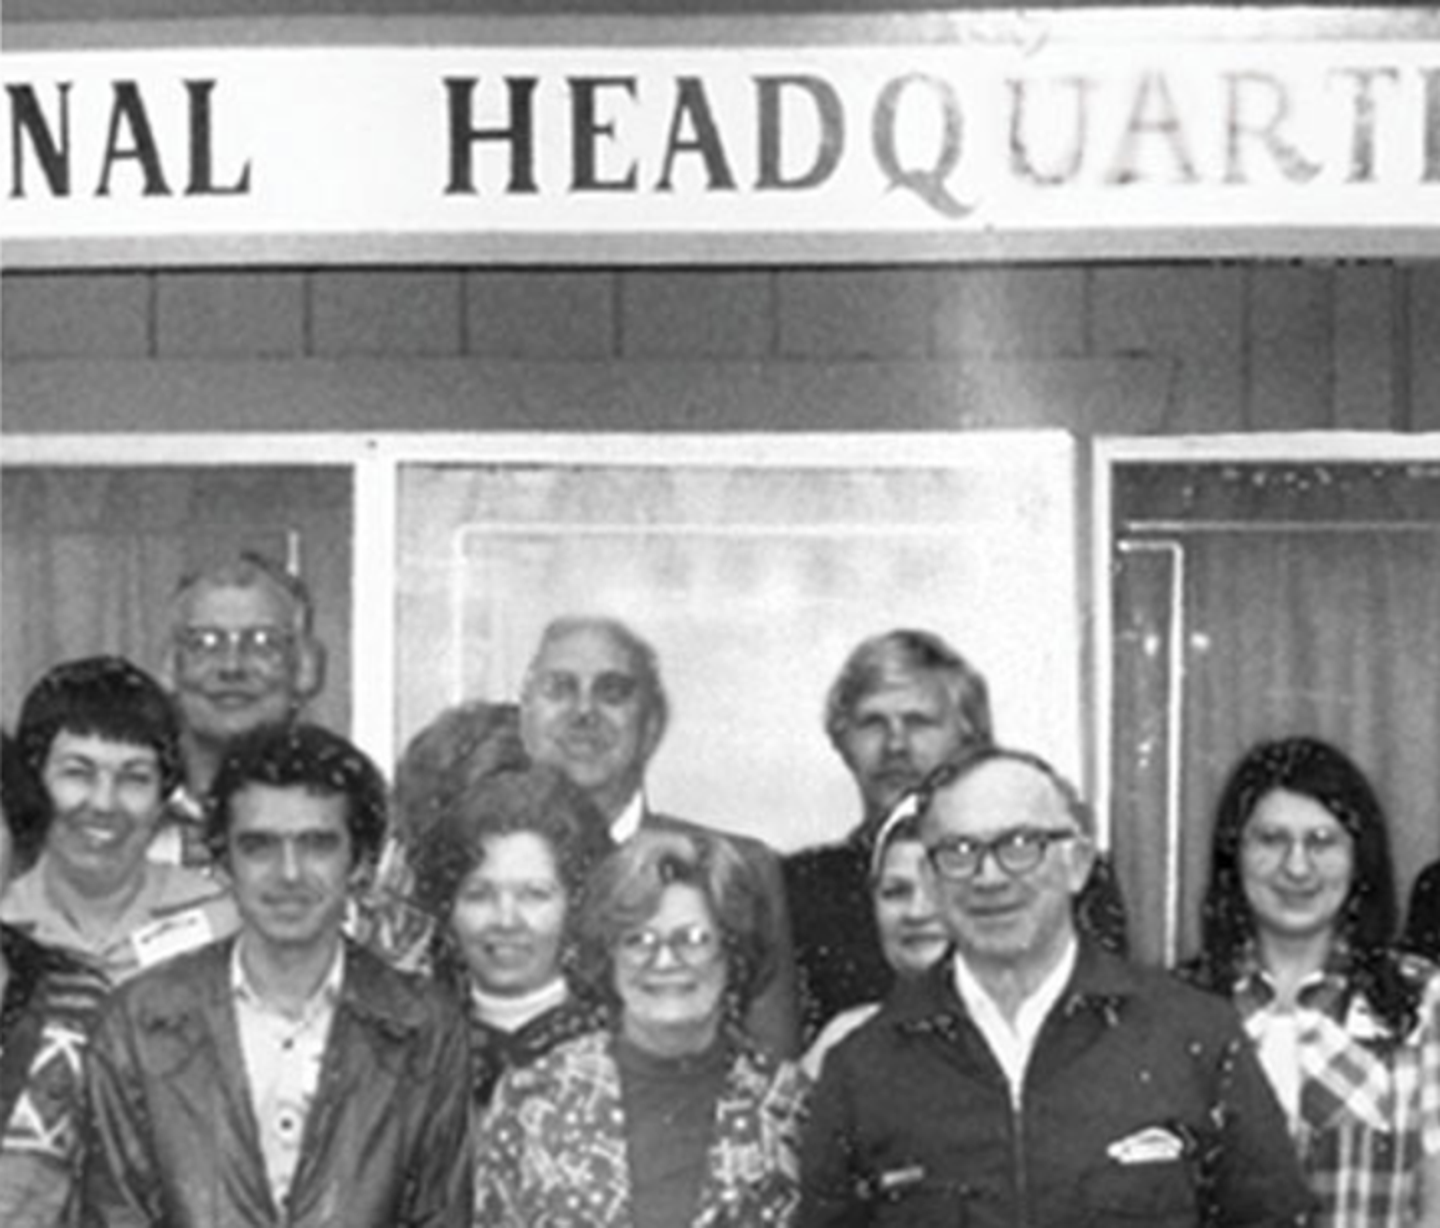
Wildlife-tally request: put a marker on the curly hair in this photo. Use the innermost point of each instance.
(108, 697)
(448, 759)
(538, 799)
(1366, 927)
(626, 890)
(307, 757)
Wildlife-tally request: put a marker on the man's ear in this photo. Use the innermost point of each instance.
(1082, 861)
(654, 731)
(309, 668)
(166, 672)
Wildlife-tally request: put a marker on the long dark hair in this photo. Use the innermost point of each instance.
(1367, 922)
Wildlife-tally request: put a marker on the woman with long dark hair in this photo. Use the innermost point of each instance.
(1298, 924)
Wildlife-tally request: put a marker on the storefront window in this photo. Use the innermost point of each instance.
(1256, 600)
(753, 581)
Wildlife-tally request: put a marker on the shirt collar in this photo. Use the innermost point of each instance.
(628, 821)
(1042, 998)
(326, 994)
(1324, 991)
(1101, 983)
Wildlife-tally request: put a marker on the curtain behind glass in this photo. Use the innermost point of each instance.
(1305, 599)
(1335, 636)
(91, 556)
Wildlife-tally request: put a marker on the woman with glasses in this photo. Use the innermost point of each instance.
(670, 1115)
(501, 871)
(1297, 926)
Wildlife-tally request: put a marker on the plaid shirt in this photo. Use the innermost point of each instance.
(1369, 1105)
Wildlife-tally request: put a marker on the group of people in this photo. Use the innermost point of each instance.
(243, 981)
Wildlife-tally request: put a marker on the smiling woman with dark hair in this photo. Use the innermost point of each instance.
(1298, 921)
(501, 872)
(101, 738)
(48, 1001)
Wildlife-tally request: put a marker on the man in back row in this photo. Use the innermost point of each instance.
(903, 703)
(284, 1075)
(241, 653)
(593, 706)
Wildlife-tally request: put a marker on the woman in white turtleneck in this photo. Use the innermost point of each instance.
(501, 871)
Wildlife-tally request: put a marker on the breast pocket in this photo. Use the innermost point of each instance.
(1159, 1194)
(913, 1200)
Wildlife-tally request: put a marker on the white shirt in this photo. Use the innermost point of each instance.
(282, 1055)
(628, 821)
(1012, 1044)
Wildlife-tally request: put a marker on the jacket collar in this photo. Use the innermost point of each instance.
(1102, 983)
(370, 992)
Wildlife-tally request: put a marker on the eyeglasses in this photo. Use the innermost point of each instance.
(263, 645)
(1016, 852)
(692, 945)
(610, 688)
(1272, 846)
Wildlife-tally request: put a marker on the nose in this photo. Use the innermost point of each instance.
(665, 956)
(507, 911)
(988, 872)
(289, 860)
(230, 661)
(920, 907)
(103, 791)
(1297, 861)
(586, 708)
(896, 737)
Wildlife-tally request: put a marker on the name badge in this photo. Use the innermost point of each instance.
(171, 935)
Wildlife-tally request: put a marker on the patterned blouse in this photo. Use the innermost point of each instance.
(50, 1004)
(551, 1149)
(1368, 1108)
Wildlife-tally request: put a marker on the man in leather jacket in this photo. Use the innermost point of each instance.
(284, 1076)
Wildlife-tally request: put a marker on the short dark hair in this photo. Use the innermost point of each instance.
(625, 892)
(911, 651)
(25, 806)
(537, 799)
(108, 697)
(301, 756)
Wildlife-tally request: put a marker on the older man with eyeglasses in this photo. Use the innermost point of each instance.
(241, 655)
(1035, 1077)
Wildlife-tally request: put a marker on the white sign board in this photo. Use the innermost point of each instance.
(1033, 142)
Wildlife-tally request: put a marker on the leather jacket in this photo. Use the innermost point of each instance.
(172, 1138)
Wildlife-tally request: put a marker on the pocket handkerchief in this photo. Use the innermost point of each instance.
(1152, 1145)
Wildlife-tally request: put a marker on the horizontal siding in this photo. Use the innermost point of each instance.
(1150, 348)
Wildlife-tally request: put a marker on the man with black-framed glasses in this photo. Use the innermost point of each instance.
(1034, 1077)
